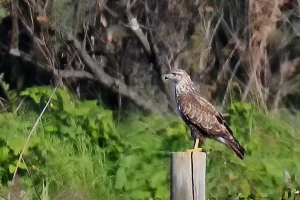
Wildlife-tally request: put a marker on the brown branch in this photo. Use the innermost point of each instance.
(58, 72)
(112, 83)
(14, 50)
(135, 28)
(111, 12)
(36, 6)
(158, 66)
(73, 74)
(150, 50)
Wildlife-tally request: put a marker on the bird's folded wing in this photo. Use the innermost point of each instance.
(201, 113)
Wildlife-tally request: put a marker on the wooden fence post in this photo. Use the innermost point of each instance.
(188, 176)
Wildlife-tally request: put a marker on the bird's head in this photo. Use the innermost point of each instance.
(178, 76)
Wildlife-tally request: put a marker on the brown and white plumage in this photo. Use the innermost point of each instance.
(200, 115)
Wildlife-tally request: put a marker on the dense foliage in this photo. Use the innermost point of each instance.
(80, 150)
(120, 49)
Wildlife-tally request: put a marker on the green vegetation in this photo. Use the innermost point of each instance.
(79, 151)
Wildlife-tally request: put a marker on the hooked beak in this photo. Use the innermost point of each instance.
(167, 76)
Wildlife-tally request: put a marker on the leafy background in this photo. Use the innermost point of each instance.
(81, 150)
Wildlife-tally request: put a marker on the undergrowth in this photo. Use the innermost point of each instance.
(79, 151)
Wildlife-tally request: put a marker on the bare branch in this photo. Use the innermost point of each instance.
(110, 82)
(135, 27)
(57, 72)
(73, 74)
(61, 73)
(14, 50)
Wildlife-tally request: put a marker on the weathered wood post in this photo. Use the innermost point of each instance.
(188, 176)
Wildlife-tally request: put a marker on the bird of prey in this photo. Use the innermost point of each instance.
(201, 116)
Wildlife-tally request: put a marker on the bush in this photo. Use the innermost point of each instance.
(79, 151)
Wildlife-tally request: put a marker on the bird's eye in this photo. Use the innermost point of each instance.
(173, 74)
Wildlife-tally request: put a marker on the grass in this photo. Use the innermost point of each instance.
(57, 167)
(66, 159)
(77, 171)
(271, 142)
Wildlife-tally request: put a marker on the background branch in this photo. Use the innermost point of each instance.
(112, 83)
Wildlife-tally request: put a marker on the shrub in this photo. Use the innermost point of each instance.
(79, 151)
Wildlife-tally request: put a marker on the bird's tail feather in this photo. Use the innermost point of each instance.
(237, 148)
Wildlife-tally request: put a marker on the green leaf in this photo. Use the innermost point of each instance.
(95, 134)
(16, 144)
(79, 111)
(51, 128)
(158, 178)
(162, 193)
(140, 194)
(121, 179)
(92, 122)
(33, 93)
(11, 168)
(129, 161)
(68, 130)
(4, 154)
(22, 165)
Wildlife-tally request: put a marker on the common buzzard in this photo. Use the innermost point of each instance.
(200, 115)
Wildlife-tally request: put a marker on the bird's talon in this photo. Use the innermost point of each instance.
(194, 150)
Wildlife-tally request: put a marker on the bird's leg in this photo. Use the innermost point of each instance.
(196, 148)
